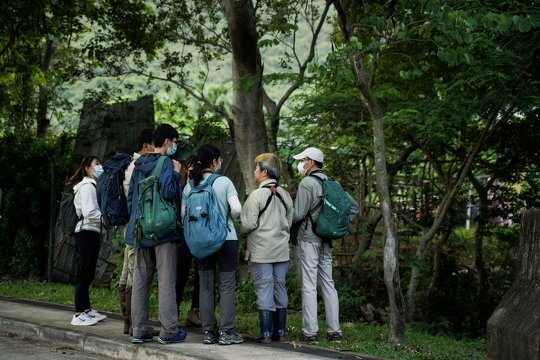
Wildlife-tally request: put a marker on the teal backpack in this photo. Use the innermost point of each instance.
(157, 216)
(333, 222)
(205, 229)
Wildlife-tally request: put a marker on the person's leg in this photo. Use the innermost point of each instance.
(122, 281)
(130, 251)
(195, 293)
(228, 264)
(263, 282)
(166, 258)
(207, 307)
(328, 290)
(182, 273)
(308, 261)
(281, 300)
(87, 246)
(122, 284)
(142, 278)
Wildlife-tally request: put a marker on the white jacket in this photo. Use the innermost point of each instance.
(86, 205)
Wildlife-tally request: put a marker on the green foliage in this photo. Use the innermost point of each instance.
(25, 183)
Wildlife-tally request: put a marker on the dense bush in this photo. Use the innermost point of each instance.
(25, 180)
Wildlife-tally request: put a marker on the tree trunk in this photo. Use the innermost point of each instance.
(250, 134)
(481, 228)
(512, 329)
(437, 250)
(43, 121)
(391, 246)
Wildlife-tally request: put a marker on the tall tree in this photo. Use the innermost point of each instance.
(392, 277)
(249, 132)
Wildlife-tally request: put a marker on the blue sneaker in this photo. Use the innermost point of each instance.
(178, 338)
(139, 339)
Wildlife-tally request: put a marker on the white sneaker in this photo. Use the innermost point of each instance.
(83, 319)
(95, 315)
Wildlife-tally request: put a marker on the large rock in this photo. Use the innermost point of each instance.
(513, 330)
(103, 130)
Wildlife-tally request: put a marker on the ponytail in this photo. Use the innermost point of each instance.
(205, 157)
(80, 173)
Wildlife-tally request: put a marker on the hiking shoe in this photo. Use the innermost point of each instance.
(229, 337)
(83, 319)
(139, 339)
(334, 337)
(193, 317)
(310, 339)
(178, 338)
(209, 338)
(94, 314)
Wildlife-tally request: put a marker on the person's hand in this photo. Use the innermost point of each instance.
(177, 166)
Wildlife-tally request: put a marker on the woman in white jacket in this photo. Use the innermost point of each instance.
(87, 237)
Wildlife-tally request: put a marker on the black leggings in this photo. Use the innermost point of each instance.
(87, 246)
(182, 274)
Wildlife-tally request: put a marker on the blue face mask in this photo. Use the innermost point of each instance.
(98, 170)
(171, 150)
(218, 169)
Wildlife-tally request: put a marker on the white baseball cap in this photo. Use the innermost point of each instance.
(311, 153)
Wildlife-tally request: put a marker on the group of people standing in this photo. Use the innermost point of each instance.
(266, 217)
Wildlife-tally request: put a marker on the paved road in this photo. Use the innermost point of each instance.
(16, 348)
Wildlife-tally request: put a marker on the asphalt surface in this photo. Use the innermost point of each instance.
(17, 348)
(50, 323)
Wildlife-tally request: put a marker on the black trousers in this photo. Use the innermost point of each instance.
(87, 246)
(183, 266)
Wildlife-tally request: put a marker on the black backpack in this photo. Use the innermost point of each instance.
(68, 214)
(112, 200)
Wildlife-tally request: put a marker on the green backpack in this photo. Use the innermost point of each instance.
(157, 216)
(333, 221)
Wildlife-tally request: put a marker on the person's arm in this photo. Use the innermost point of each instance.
(89, 203)
(127, 176)
(354, 208)
(250, 213)
(302, 202)
(232, 197)
(290, 209)
(169, 181)
(185, 193)
(235, 206)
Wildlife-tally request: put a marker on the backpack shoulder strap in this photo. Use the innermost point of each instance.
(273, 192)
(212, 178)
(159, 166)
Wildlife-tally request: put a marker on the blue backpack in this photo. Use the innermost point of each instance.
(205, 230)
(110, 191)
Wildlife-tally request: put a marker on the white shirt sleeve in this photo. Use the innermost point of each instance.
(235, 206)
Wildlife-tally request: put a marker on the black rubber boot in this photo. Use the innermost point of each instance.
(279, 324)
(265, 319)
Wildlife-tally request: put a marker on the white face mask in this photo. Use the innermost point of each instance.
(301, 169)
(98, 170)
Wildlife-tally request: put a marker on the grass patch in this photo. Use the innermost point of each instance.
(358, 337)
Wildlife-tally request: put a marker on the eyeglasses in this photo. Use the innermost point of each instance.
(305, 159)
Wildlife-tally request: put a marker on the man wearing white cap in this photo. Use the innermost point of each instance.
(314, 254)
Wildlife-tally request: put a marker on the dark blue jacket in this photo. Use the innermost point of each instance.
(169, 186)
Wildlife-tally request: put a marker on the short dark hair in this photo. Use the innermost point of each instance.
(319, 164)
(162, 132)
(145, 137)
